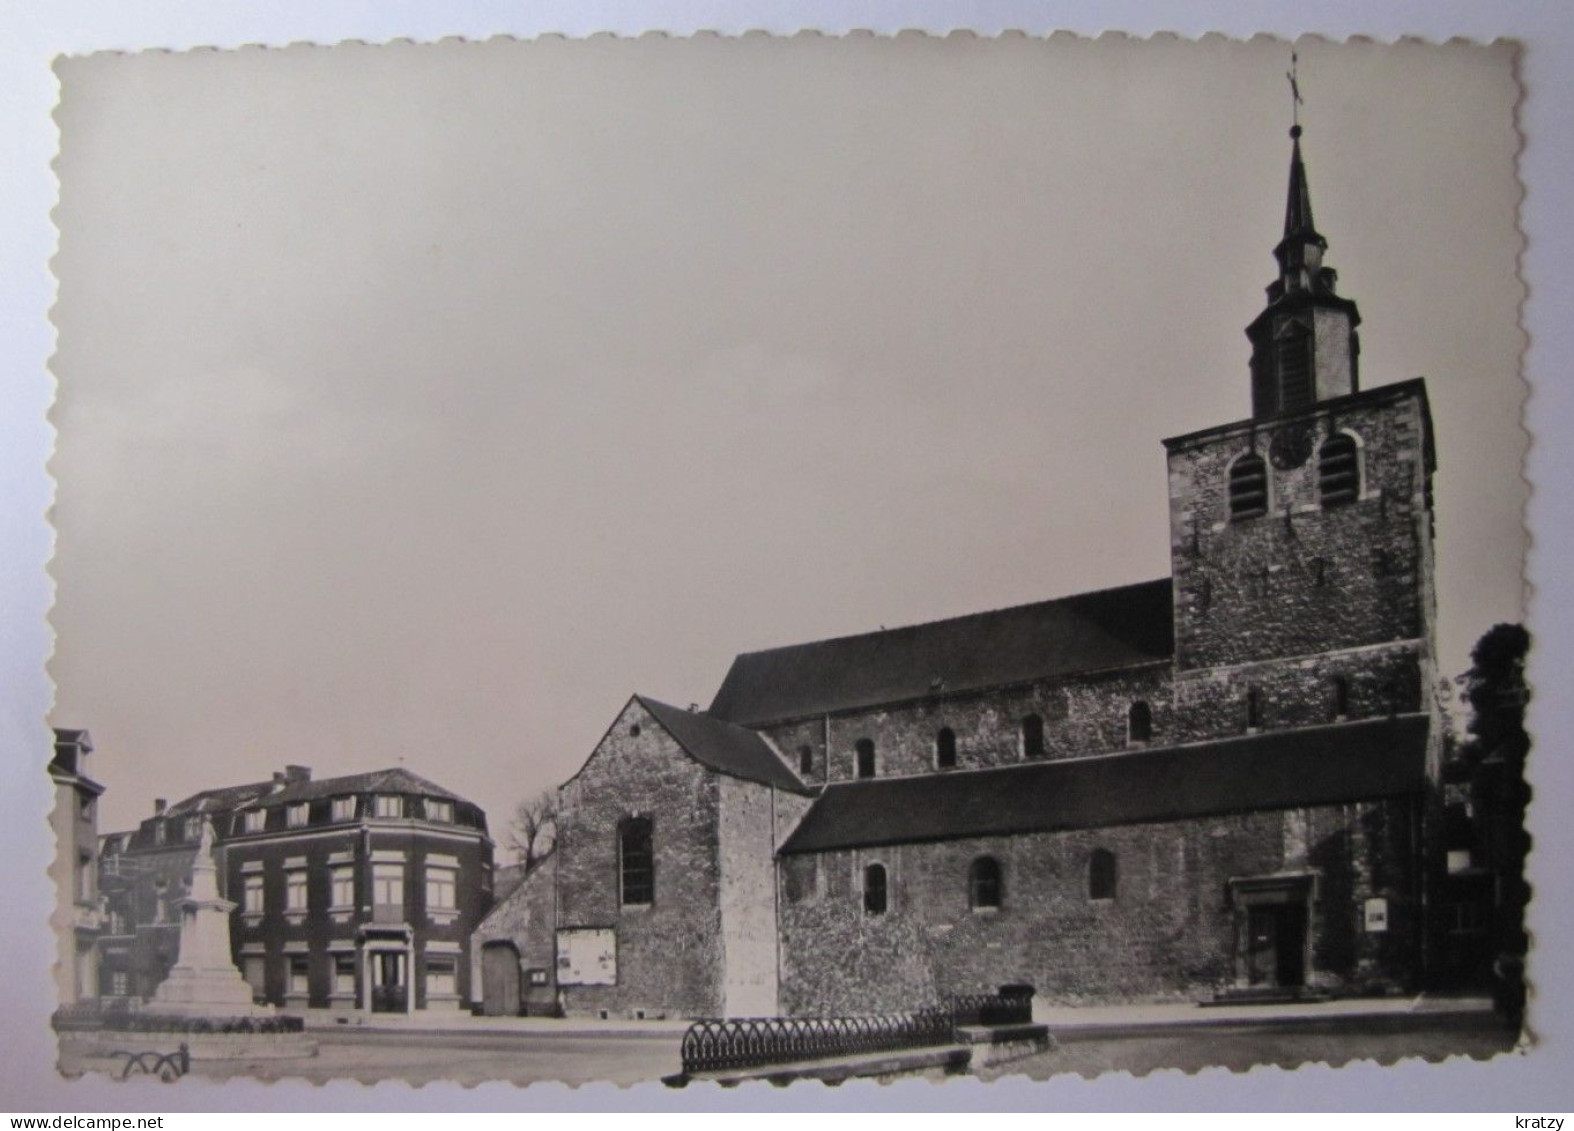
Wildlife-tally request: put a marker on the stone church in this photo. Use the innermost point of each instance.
(1215, 784)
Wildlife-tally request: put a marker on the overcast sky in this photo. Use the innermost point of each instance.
(417, 404)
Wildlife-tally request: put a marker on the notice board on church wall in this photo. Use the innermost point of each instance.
(587, 956)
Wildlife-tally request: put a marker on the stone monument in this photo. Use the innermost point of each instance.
(204, 981)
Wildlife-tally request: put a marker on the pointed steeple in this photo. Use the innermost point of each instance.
(1304, 344)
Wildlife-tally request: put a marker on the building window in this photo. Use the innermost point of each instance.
(295, 891)
(344, 975)
(806, 760)
(1103, 874)
(440, 977)
(85, 806)
(193, 829)
(863, 758)
(637, 862)
(388, 889)
(300, 975)
(295, 815)
(440, 889)
(343, 886)
(1253, 709)
(1341, 697)
(983, 884)
(1338, 471)
(389, 805)
(119, 983)
(874, 889)
(344, 808)
(945, 748)
(1139, 723)
(255, 820)
(158, 832)
(537, 977)
(440, 811)
(1033, 736)
(251, 897)
(1248, 487)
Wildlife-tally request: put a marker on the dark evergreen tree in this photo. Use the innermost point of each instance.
(1496, 693)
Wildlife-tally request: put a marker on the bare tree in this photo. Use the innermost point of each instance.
(533, 828)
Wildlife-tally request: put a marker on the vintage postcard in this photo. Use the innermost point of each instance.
(789, 559)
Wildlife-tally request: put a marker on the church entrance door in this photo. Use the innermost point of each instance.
(1276, 945)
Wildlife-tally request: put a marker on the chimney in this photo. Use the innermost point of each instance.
(297, 773)
(159, 805)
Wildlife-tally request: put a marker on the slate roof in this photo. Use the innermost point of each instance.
(218, 800)
(395, 780)
(1276, 770)
(723, 746)
(1111, 628)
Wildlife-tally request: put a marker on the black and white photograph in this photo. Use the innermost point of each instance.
(790, 559)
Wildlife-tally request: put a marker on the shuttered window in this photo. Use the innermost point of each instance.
(1248, 487)
(1338, 471)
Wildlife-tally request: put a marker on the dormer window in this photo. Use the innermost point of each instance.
(1248, 487)
(440, 811)
(389, 805)
(254, 821)
(193, 828)
(158, 832)
(344, 808)
(295, 815)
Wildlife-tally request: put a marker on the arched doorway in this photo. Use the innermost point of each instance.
(500, 979)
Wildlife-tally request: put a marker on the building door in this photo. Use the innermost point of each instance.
(390, 993)
(500, 980)
(1276, 944)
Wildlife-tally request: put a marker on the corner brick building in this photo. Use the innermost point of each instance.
(1217, 783)
(354, 893)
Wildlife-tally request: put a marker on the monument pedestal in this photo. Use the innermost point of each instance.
(204, 981)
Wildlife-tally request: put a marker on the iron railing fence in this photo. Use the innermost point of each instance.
(712, 1046)
(715, 1045)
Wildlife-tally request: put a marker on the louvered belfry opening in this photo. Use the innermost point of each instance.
(1248, 487)
(1338, 472)
(1296, 388)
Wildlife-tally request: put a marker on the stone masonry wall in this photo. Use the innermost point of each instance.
(527, 918)
(669, 954)
(1170, 932)
(1302, 579)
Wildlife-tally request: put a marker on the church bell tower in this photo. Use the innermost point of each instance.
(1304, 344)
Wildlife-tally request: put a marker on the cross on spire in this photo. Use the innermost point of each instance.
(1295, 95)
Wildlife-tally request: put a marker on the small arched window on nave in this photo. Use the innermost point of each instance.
(875, 889)
(1139, 724)
(945, 749)
(1338, 471)
(1033, 736)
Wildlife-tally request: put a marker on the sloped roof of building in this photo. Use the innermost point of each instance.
(393, 780)
(1111, 628)
(731, 749)
(1276, 770)
(218, 800)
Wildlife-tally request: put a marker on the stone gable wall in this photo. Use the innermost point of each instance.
(670, 959)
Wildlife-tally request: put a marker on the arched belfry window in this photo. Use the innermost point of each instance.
(1033, 736)
(1139, 723)
(1338, 471)
(1248, 487)
(984, 889)
(636, 862)
(874, 889)
(863, 758)
(945, 748)
(1103, 874)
